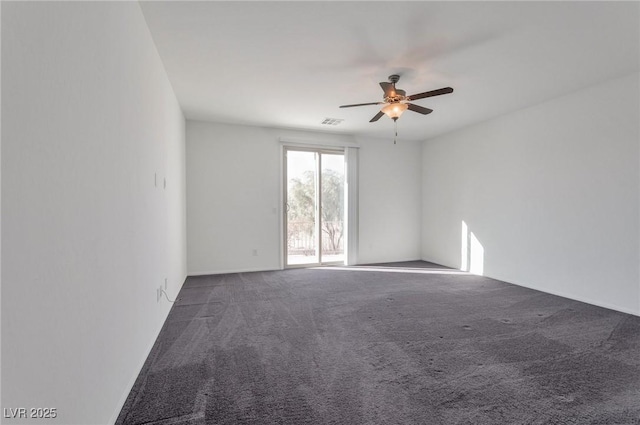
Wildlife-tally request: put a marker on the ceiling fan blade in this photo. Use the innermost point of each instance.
(377, 117)
(419, 109)
(389, 89)
(431, 93)
(361, 104)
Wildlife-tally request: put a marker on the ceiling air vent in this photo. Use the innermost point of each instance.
(332, 121)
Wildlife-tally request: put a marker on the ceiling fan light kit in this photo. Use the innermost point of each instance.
(394, 110)
(396, 101)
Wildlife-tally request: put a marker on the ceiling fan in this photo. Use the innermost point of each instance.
(396, 101)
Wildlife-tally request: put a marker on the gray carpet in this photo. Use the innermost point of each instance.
(385, 345)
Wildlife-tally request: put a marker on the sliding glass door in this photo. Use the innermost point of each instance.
(314, 201)
(301, 208)
(332, 208)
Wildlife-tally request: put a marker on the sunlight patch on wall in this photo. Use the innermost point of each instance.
(476, 257)
(471, 251)
(464, 248)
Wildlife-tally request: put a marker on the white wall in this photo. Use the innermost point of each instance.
(233, 197)
(88, 118)
(390, 200)
(550, 192)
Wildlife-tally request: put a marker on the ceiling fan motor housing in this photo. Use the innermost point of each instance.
(395, 95)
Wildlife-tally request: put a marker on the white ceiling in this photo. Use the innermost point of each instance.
(291, 64)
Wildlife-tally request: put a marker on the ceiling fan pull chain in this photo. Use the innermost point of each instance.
(395, 122)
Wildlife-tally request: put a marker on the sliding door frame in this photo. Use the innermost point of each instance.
(318, 204)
